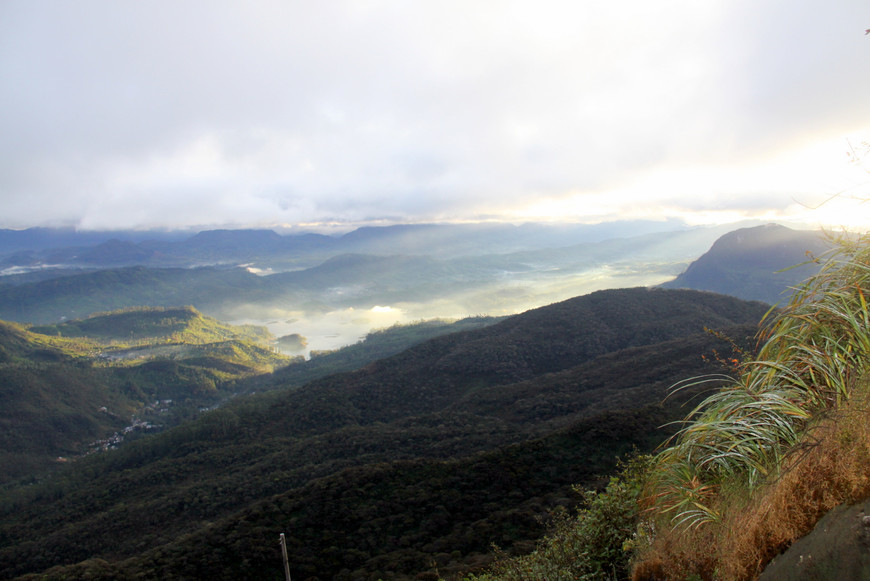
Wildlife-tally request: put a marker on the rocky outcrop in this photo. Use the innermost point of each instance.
(838, 548)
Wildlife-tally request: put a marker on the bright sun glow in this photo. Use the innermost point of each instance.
(816, 185)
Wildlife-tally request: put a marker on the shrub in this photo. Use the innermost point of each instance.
(593, 544)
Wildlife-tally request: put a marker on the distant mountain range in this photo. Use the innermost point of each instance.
(41, 248)
(425, 269)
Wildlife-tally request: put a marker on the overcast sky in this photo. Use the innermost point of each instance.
(138, 114)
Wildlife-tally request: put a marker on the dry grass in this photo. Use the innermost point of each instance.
(760, 461)
(834, 468)
(831, 466)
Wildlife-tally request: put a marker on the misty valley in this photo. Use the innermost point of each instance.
(434, 291)
(333, 290)
(397, 401)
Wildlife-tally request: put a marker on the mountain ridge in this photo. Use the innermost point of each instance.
(41, 247)
(475, 402)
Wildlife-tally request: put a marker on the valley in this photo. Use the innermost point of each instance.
(434, 291)
(333, 290)
(473, 406)
(406, 444)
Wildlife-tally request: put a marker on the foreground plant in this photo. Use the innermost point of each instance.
(814, 351)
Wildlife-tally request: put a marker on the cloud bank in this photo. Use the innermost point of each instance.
(191, 113)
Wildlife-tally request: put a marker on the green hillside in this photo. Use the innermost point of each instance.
(50, 403)
(427, 456)
(126, 360)
(135, 335)
(152, 325)
(80, 295)
(18, 345)
(377, 344)
(65, 389)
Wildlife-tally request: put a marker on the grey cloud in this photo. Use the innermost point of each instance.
(413, 110)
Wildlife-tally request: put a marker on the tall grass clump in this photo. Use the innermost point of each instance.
(738, 444)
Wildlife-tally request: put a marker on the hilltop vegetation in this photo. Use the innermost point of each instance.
(154, 324)
(377, 344)
(68, 387)
(426, 456)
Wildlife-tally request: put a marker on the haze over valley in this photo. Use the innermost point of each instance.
(502, 290)
(332, 290)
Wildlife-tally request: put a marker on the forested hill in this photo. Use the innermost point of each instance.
(66, 388)
(759, 263)
(428, 456)
(146, 324)
(439, 373)
(16, 345)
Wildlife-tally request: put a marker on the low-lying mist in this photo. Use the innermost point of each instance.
(328, 325)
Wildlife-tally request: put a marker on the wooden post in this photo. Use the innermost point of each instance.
(286, 561)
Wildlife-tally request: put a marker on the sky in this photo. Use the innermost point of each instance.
(302, 114)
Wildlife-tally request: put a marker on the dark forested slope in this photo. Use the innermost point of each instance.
(426, 456)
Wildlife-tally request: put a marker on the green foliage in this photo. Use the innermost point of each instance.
(592, 545)
(399, 515)
(813, 352)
